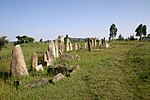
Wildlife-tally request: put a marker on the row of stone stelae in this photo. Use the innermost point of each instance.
(18, 65)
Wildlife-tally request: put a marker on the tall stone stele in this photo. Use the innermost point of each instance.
(56, 48)
(67, 45)
(75, 46)
(51, 48)
(89, 45)
(18, 65)
(34, 60)
(61, 46)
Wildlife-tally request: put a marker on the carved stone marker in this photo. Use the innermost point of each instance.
(95, 42)
(18, 66)
(67, 45)
(61, 44)
(89, 45)
(58, 77)
(79, 46)
(51, 48)
(48, 58)
(85, 45)
(70, 46)
(34, 60)
(92, 42)
(56, 49)
(75, 46)
(99, 43)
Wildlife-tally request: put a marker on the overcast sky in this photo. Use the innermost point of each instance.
(78, 18)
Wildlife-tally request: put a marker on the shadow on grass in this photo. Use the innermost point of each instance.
(4, 75)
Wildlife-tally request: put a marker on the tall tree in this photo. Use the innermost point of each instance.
(113, 31)
(144, 30)
(141, 30)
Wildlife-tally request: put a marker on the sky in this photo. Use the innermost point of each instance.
(47, 19)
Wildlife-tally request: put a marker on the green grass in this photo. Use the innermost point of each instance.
(119, 72)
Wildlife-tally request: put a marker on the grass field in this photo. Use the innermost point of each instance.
(119, 72)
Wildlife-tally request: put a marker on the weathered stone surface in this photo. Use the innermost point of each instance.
(18, 66)
(95, 42)
(75, 46)
(61, 44)
(58, 77)
(84, 46)
(70, 46)
(56, 49)
(60, 69)
(99, 43)
(79, 46)
(39, 68)
(106, 45)
(51, 48)
(74, 70)
(37, 83)
(92, 42)
(48, 58)
(34, 60)
(89, 45)
(67, 45)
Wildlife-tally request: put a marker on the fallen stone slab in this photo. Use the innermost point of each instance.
(58, 77)
(37, 83)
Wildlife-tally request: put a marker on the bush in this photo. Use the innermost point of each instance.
(24, 39)
(3, 41)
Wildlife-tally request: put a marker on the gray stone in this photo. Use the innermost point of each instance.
(95, 42)
(18, 65)
(70, 46)
(56, 49)
(89, 45)
(75, 46)
(34, 60)
(74, 70)
(37, 83)
(58, 77)
(51, 48)
(67, 45)
(79, 46)
(61, 44)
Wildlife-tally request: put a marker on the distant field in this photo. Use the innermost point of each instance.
(119, 72)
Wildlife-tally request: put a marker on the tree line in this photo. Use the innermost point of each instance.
(141, 32)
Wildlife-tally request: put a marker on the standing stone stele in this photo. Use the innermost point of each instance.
(75, 46)
(51, 48)
(92, 42)
(18, 65)
(56, 49)
(89, 45)
(67, 45)
(34, 60)
(95, 42)
(79, 46)
(70, 46)
(61, 46)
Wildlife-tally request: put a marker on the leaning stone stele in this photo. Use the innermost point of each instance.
(34, 60)
(18, 65)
